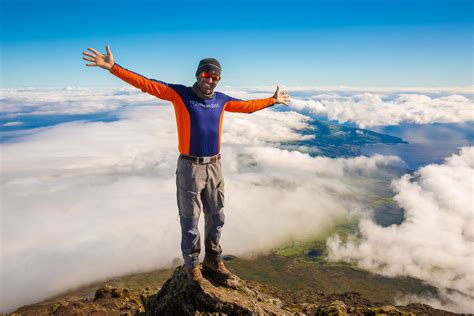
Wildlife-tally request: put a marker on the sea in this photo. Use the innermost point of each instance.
(427, 143)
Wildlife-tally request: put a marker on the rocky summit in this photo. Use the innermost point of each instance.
(220, 296)
(228, 296)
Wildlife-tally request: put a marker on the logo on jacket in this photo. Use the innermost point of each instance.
(203, 105)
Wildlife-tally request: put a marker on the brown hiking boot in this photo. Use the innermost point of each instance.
(194, 275)
(217, 266)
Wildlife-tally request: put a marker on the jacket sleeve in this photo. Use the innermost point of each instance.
(157, 88)
(236, 105)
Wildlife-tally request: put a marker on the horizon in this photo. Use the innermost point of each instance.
(294, 87)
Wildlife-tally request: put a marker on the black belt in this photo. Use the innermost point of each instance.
(202, 160)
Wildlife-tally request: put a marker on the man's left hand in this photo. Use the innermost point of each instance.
(281, 97)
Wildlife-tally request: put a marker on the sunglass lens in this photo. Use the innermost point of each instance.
(210, 75)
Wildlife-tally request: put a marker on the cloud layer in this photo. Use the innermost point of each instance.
(365, 107)
(435, 243)
(372, 109)
(20, 102)
(86, 201)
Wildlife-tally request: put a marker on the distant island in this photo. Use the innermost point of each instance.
(332, 140)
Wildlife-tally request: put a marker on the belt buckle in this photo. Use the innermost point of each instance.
(206, 159)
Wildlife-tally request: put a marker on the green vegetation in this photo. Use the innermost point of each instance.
(384, 200)
(314, 251)
(58, 305)
(289, 273)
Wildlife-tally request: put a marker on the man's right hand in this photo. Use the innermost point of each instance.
(98, 59)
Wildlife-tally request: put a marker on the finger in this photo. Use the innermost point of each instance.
(107, 48)
(88, 54)
(91, 65)
(94, 51)
(278, 88)
(88, 59)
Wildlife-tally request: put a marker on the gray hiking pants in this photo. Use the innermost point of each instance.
(200, 186)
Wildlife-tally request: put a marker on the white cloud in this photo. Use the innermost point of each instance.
(435, 243)
(71, 101)
(265, 127)
(352, 89)
(375, 106)
(370, 109)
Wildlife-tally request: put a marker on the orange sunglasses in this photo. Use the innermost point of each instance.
(210, 75)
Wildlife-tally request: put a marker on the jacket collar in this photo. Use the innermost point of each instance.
(200, 94)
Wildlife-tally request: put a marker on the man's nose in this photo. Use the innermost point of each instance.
(208, 80)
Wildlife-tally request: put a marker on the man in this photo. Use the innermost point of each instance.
(199, 112)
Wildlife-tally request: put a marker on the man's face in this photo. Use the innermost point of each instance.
(207, 83)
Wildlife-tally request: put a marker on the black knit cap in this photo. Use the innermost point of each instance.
(209, 65)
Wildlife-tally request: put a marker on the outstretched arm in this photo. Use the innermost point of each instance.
(106, 61)
(280, 97)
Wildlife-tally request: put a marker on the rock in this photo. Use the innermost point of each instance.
(107, 301)
(214, 296)
(275, 301)
(386, 310)
(389, 308)
(423, 309)
(335, 308)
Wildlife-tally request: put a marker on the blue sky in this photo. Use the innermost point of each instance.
(354, 43)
